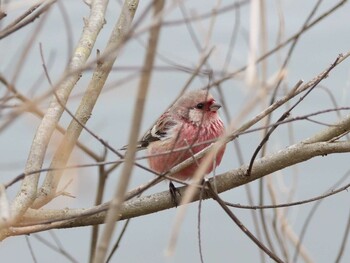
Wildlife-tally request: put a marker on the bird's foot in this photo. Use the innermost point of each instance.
(173, 191)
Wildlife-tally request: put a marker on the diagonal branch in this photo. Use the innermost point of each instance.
(48, 191)
(27, 193)
(48, 219)
(121, 188)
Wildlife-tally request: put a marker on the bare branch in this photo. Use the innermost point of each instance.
(161, 201)
(27, 193)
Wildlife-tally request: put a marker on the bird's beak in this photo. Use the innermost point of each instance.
(214, 107)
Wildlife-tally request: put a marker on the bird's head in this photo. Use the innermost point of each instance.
(197, 107)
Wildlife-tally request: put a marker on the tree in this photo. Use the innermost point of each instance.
(278, 126)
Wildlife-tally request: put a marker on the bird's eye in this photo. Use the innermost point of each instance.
(200, 106)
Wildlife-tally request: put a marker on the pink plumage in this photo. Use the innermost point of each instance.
(191, 120)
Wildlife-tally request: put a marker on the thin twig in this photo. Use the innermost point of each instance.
(199, 225)
(31, 249)
(28, 17)
(102, 178)
(313, 199)
(344, 241)
(287, 113)
(241, 226)
(116, 245)
(57, 248)
(298, 245)
(281, 45)
(118, 197)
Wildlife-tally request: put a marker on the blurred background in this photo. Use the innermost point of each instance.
(230, 31)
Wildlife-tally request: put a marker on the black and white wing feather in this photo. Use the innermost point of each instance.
(160, 131)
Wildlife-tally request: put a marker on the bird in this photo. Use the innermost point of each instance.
(191, 123)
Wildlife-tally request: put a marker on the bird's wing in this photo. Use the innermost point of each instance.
(159, 131)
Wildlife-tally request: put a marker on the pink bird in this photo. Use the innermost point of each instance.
(192, 119)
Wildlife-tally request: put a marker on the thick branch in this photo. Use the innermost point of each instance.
(48, 190)
(141, 206)
(28, 191)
